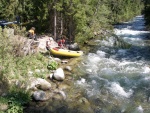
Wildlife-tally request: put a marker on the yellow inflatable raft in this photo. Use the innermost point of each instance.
(65, 52)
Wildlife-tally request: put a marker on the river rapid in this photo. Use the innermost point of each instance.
(118, 80)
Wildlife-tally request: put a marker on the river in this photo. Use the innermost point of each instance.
(118, 80)
(111, 79)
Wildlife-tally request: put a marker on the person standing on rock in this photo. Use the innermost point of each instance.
(31, 33)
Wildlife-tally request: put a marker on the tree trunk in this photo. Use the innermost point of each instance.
(55, 23)
(70, 29)
(61, 29)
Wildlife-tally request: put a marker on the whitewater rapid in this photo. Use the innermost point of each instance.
(120, 74)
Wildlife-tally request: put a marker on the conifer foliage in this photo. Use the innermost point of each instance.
(77, 19)
(147, 12)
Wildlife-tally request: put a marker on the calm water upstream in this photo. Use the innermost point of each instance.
(118, 80)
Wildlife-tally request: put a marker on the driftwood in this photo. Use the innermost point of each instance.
(30, 47)
(23, 46)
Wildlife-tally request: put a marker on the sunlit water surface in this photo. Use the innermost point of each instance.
(118, 80)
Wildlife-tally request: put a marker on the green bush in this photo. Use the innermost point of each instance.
(16, 99)
(52, 65)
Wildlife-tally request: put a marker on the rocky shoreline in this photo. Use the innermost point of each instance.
(43, 90)
(62, 93)
(60, 89)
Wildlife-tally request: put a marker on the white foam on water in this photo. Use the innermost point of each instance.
(89, 70)
(117, 89)
(114, 66)
(129, 32)
(131, 69)
(109, 41)
(93, 58)
(126, 31)
(98, 63)
(123, 63)
(81, 81)
(108, 71)
(101, 54)
(91, 89)
(147, 78)
(92, 65)
(133, 33)
(146, 69)
(134, 41)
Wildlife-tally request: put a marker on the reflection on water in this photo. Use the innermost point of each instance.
(119, 78)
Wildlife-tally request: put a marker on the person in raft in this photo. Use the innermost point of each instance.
(48, 43)
(31, 33)
(61, 42)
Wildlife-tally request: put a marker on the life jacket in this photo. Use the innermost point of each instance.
(31, 31)
(61, 42)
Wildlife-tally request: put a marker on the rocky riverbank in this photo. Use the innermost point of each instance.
(53, 95)
(57, 91)
(62, 96)
(30, 61)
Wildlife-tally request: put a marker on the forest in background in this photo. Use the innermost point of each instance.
(76, 19)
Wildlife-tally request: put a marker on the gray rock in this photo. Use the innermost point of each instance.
(64, 62)
(57, 59)
(3, 107)
(41, 83)
(59, 74)
(62, 93)
(68, 68)
(40, 96)
(74, 47)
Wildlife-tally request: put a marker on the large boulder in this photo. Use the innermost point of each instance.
(35, 83)
(40, 96)
(58, 75)
(42, 43)
(74, 47)
(43, 84)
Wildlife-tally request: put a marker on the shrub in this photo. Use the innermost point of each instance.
(52, 65)
(16, 99)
